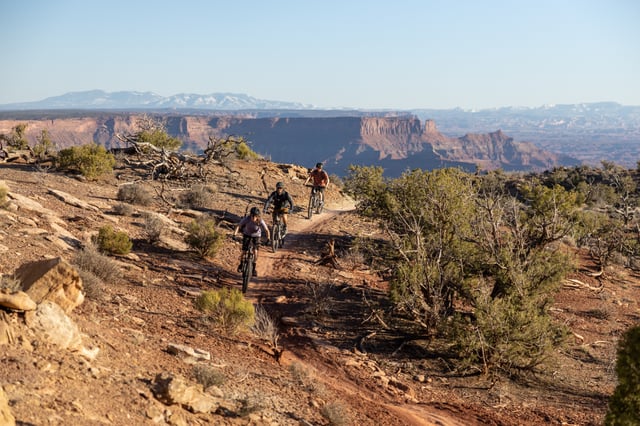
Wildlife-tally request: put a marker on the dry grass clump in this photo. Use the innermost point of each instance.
(102, 266)
(123, 209)
(208, 376)
(199, 196)
(335, 413)
(95, 270)
(153, 226)
(265, 327)
(135, 193)
(320, 297)
(4, 190)
(9, 283)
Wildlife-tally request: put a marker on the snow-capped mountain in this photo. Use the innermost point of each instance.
(99, 99)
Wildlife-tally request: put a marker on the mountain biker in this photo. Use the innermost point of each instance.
(320, 180)
(252, 226)
(282, 204)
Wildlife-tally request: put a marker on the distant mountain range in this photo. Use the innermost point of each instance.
(128, 100)
(590, 132)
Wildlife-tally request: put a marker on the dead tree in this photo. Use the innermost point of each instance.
(329, 257)
(172, 165)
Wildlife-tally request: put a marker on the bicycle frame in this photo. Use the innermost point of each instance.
(315, 202)
(276, 232)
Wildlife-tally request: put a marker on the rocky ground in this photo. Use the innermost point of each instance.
(331, 363)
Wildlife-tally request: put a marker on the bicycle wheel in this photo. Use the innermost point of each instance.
(247, 271)
(311, 205)
(320, 204)
(275, 237)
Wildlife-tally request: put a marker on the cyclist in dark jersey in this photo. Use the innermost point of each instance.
(282, 204)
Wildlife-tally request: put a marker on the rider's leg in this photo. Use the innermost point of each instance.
(284, 223)
(241, 259)
(256, 242)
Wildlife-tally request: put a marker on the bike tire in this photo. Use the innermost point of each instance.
(320, 205)
(311, 203)
(247, 272)
(275, 237)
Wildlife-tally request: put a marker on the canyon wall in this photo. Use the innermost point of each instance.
(395, 143)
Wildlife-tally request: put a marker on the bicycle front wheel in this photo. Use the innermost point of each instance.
(275, 237)
(247, 272)
(311, 206)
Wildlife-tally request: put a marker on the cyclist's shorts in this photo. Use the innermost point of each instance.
(281, 210)
(246, 239)
(318, 189)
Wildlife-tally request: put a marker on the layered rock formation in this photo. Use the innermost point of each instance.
(396, 143)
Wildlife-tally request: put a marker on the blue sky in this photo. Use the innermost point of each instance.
(400, 54)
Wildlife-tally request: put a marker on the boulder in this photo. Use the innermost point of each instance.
(51, 324)
(170, 389)
(6, 417)
(18, 301)
(51, 279)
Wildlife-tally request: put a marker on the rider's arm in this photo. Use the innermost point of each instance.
(290, 201)
(308, 178)
(240, 224)
(266, 229)
(266, 203)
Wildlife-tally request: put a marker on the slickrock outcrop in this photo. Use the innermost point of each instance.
(52, 279)
(19, 301)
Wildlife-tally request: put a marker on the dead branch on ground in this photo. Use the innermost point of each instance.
(329, 257)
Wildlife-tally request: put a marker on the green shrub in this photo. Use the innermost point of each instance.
(91, 160)
(112, 242)
(135, 193)
(160, 138)
(16, 140)
(203, 237)
(510, 334)
(44, 147)
(624, 405)
(244, 152)
(227, 308)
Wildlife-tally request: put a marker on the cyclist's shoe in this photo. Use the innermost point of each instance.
(240, 268)
(282, 241)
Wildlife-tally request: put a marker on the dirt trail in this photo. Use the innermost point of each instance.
(277, 273)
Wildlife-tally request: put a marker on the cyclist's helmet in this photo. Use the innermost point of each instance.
(319, 165)
(279, 185)
(255, 211)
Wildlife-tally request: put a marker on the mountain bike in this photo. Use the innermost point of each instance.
(315, 202)
(277, 232)
(248, 262)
